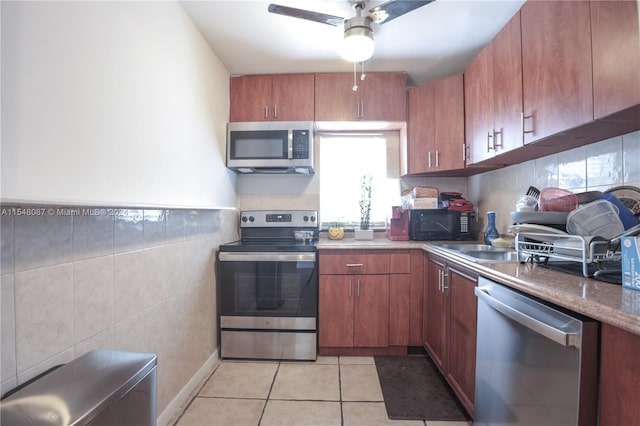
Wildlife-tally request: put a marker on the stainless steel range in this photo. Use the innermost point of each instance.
(268, 287)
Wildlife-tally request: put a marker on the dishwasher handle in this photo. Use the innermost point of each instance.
(559, 336)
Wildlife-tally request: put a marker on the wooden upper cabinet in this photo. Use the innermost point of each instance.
(449, 123)
(478, 106)
(493, 96)
(420, 129)
(616, 56)
(277, 97)
(507, 87)
(335, 98)
(384, 97)
(435, 140)
(556, 67)
(380, 97)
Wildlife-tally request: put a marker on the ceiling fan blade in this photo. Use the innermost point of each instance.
(385, 12)
(306, 14)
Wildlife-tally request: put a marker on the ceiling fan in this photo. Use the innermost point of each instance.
(358, 34)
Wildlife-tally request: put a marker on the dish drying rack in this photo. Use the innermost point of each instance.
(586, 250)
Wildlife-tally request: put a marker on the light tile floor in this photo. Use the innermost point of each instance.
(331, 391)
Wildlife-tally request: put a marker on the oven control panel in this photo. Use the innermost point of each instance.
(278, 217)
(275, 218)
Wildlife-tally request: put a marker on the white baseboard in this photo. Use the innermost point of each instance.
(178, 402)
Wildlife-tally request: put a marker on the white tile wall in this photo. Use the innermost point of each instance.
(127, 279)
(598, 166)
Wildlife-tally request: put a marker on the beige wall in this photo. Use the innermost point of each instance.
(112, 104)
(598, 166)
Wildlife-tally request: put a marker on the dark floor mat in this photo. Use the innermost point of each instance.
(414, 390)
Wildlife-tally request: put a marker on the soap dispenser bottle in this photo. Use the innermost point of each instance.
(491, 232)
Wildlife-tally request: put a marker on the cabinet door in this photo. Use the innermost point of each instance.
(371, 324)
(399, 309)
(434, 311)
(384, 97)
(250, 98)
(292, 97)
(335, 311)
(556, 67)
(619, 377)
(420, 133)
(478, 105)
(335, 99)
(616, 56)
(461, 361)
(449, 123)
(507, 87)
(416, 296)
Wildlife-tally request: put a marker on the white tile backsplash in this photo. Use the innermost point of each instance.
(125, 279)
(599, 166)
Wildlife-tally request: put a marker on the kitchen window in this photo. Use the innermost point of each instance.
(344, 160)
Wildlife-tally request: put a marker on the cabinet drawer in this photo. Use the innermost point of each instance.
(399, 262)
(354, 262)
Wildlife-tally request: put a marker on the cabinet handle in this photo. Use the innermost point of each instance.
(445, 287)
(275, 111)
(350, 288)
(354, 265)
(522, 118)
(437, 158)
(429, 157)
(266, 112)
(464, 152)
(497, 145)
(362, 109)
(489, 136)
(357, 110)
(440, 280)
(358, 287)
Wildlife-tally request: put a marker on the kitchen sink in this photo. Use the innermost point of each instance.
(494, 256)
(481, 253)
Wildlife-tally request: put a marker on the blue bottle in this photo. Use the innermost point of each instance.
(491, 232)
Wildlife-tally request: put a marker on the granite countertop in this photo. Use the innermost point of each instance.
(379, 242)
(608, 303)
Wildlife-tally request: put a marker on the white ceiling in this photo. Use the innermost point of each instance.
(428, 43)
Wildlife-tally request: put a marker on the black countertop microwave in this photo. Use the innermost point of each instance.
(275, 147)
(439, 224)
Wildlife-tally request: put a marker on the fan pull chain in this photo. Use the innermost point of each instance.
(355, 83)
(362, 74)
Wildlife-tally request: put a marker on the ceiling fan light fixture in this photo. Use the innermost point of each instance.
(358, 44)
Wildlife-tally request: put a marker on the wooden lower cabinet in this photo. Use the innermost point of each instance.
(354, 311)
(619, 377)
(449, 327)
(366, 301)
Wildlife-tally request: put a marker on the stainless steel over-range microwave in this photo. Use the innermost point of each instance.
(276, 147)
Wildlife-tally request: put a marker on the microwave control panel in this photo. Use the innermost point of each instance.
(301, 144)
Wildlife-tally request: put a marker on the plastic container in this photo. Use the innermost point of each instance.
(626, 216)
(557, 200)
(599, 218)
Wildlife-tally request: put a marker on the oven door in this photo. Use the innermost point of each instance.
(255, 284)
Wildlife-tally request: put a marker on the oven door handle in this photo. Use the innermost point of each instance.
(266, 257)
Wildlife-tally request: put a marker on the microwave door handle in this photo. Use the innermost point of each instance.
(290, 145)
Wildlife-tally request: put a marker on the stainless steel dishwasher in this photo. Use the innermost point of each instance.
(536, 364)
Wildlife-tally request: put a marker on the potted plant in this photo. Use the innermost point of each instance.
(336, 230)
(364, 233)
